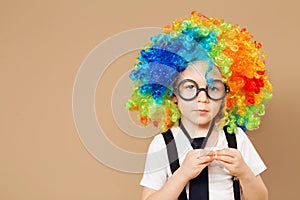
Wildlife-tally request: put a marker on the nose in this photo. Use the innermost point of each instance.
(202, 96)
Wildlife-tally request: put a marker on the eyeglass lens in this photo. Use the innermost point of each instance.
(188, 89)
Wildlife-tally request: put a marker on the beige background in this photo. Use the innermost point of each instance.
(43, 44)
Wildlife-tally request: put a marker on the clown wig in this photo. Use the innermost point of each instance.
(222, 44)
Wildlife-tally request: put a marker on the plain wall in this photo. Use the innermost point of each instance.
(43, 44)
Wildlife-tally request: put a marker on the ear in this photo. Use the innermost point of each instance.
(174, 99)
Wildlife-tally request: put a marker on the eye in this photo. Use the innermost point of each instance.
(214, 89)
(190, 87)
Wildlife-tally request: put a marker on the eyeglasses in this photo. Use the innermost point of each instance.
(188, 90)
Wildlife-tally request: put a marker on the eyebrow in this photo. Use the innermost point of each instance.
(214, 79)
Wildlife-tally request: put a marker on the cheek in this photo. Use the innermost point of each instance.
(184, 106)
(215, 106)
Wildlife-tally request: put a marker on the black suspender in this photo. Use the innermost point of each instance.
(231, 139)
(173, 157)
(174, 161)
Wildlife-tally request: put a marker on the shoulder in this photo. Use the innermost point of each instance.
(157, 143)
(243, 141)
(241, 136)
(250, 155)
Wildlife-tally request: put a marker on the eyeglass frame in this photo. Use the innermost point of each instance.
(227, 90)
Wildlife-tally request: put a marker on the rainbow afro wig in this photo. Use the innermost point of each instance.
(222, 44)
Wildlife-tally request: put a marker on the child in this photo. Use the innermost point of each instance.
(200, 75)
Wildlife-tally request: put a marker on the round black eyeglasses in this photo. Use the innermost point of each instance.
(188, 90)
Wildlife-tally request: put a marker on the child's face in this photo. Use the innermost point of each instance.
(200, 110)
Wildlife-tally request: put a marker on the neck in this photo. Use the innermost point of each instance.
(195, 130)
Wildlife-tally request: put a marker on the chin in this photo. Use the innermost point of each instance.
(201, 122)
(202, 119)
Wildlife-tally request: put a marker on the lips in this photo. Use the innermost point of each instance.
(202, 111)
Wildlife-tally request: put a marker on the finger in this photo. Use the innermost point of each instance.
(218, 155)
(206, 153)
(205, 159)
(202, 152)
(203, 165)
(224, 158)
(196, 154)
(211, 153)
(228, 166)
(225, 152)
(192, 154)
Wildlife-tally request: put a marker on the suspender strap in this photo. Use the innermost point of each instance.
(231, 139)
(173, 157)
(174, 161)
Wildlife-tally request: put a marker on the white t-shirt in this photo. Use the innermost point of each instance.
(157, 169)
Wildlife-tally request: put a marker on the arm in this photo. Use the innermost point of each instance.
(253, 186)
(190, 168)
(171, 190)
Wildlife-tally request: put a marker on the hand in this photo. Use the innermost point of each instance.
(233, 161)
(193, 163)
